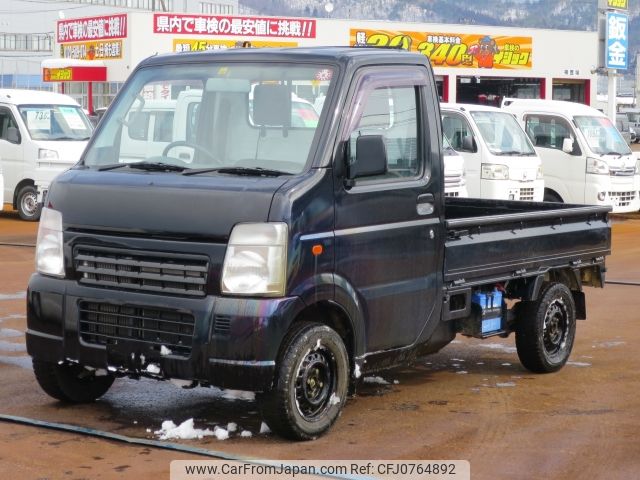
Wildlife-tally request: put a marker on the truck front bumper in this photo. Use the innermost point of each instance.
(223, 341)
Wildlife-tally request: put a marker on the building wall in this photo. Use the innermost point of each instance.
(551, 55)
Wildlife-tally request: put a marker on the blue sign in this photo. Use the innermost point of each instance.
(617, 41)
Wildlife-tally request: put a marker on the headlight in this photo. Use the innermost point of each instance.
(539, 175)
(597, 166)
(44, 154)
(495, 172)
(49, 256)
(256, 258)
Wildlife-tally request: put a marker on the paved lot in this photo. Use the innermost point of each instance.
(471, 401)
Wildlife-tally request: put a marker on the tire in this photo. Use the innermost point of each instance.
(70, 383)
(311, 385)
(27, 202)
(551, 197)
(546, 329)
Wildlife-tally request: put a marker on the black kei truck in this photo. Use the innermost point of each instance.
(220, 231)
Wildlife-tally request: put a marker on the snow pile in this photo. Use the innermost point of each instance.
(378, 380)
(246, 434)
(264, 428)
(334, 400)
(505, 384)
(185, 431)
(153, 368)
(356, 371)
(165, 351)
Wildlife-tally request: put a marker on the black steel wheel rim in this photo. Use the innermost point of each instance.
(556, 327)
(314, 383)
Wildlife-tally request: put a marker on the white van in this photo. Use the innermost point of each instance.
(500, 161)
(455, 184)
(41, 134)
(1, 187)
(585, 159)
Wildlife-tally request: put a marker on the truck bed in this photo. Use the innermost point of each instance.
(498, 240)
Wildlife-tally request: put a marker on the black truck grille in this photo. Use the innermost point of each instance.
(103, 324)
(146, 271)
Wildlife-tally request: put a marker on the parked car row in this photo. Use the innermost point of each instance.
(571, 153)
(530, 150)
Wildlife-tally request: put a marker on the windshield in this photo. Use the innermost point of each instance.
(56, 122)
(633, 117)
(602, 136)
(502, 134)
(225, 118)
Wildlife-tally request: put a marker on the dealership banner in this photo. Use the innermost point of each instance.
(92, 28)
(234, 26)
(455, 50)
(100, 50)
(196, 45)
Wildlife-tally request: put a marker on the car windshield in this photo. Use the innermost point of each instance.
(56, 122)
(215, 118)
(502, 134)
(602, 136)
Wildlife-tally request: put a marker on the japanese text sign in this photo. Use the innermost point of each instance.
(619, 4)
(93, 28)
(455, 50)
(234, 26)
(617, 41)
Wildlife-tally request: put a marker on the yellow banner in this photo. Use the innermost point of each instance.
(454, 50)
(197, 45)
(57, 74)
(98, 50)
(621, 4)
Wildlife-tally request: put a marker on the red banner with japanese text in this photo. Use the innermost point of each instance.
(454, 50)
(233, 25)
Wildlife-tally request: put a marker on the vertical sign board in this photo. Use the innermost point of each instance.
(617, 41)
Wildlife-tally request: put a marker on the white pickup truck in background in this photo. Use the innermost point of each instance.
(41, 135)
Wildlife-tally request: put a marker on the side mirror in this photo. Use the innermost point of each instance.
(567, 145)
(371, 157)
(13, 135)
(469, 144)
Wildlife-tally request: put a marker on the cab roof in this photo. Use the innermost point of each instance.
(567, 109)
(35, 97)
(341, 55)
(467, 107)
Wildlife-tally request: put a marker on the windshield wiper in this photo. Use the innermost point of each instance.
(149, 166)
(611, 153)
(516, 153)
(252, 171)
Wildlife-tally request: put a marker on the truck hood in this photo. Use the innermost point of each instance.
(167, 204)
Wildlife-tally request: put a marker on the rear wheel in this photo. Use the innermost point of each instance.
(27, 202)
(71, 383)
(546, 328)
(311, 384)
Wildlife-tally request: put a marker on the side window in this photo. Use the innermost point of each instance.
(8, 122)
(392, 113)
(548, 131)
(456, 128)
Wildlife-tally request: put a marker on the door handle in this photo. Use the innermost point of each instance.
(425, 205)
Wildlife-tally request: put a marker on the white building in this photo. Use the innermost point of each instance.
(476, 64)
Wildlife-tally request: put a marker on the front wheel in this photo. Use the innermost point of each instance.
(546, 328)
(311, 385)
(27, 202)
(71, 383)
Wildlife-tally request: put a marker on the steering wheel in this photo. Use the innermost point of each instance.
(195, 146)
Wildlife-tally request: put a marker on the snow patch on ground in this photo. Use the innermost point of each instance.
(334, 400)
(506, 364)
(457, 360)
(12, 347)
(13, 296)
(609, 344)
(180, 383)
(232, 427)
(505, 384)
(246, 434)
(238, 395)
(579, 364)
(165, 351)
(153, 368)
(462, 372)
(10, 333)
(498, 346)
(378, 380)
(264, 428)
(184, 431)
